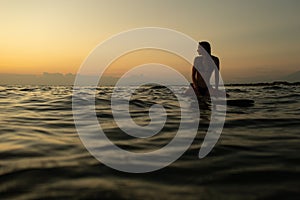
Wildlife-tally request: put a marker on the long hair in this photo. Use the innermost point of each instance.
(206, 46)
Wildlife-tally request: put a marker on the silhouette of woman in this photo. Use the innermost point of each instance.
(203, 63)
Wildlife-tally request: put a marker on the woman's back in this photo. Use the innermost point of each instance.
(206, 66)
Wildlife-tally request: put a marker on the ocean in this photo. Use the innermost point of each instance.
(256, 157)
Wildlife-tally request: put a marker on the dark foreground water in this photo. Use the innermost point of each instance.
(256, 157)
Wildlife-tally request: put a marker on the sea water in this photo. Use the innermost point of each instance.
(256, 157)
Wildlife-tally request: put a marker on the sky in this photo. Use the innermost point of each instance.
(253, 39)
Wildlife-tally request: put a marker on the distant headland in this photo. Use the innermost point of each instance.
(68, 79)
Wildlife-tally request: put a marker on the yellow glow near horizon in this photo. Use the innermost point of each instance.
(140, 57)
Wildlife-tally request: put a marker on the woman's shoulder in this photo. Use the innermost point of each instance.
(216, 61)
(198, 58)
(214, 57)
(198, 61)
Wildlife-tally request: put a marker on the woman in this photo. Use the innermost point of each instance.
(204, 66)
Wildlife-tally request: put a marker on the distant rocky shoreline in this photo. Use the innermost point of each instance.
(264, 84)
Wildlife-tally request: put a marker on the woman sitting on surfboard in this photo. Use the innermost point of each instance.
(206, 64)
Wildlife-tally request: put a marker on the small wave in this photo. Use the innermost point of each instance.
(280, 101)
(263, 123)
(158, 87)
(140, 103)
(28, 89)
(274, 87)
(237, 90)
(290, 96)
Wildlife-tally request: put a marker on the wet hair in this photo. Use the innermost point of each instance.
(206, 46)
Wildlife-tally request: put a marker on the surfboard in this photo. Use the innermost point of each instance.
(236, 102)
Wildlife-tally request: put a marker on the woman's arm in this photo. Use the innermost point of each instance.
(194, 79)
(194, 74)
(217, 62)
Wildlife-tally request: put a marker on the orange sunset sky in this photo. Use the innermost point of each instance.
(252, 38)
